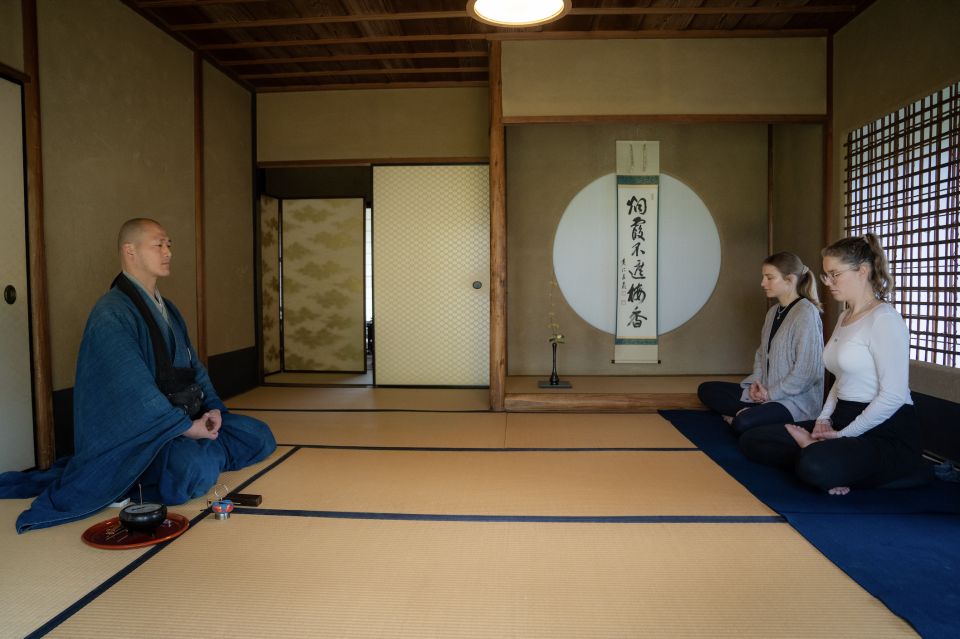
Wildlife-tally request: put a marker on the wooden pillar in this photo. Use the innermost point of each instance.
(40, 315)
(198, 186)
(498, 238)
(828, 221)
(830, 307)
(770, 186)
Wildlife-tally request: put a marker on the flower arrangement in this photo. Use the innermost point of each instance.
(556, 337)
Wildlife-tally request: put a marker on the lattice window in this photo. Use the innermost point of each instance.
(903, 184)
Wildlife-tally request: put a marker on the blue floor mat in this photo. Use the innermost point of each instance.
(910, 562)
(784, 493)
(901, 546)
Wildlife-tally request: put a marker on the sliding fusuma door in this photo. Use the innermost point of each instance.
(431, 270)
(270, 282)
(322, 278)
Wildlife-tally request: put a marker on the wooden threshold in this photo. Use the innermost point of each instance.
(609, 394)
(566, 402)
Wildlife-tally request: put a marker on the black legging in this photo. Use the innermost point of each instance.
(724, 398)
(885, 453)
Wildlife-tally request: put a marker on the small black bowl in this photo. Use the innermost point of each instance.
(143, 517)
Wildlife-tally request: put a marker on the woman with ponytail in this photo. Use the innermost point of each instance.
(866, 435)
(787, 380)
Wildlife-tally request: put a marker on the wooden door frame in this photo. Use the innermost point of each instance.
(36, 241)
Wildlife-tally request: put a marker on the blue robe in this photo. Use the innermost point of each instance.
(126, 432)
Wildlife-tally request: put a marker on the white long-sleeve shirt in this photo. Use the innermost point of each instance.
(871, 361)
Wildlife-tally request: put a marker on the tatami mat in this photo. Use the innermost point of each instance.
(303, 398)
(407, 429)
(562, 430)
(670, 561)
(44, 571)
(471, 430)
(267, 576)
(590, 484)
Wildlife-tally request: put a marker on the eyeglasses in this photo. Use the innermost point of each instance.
(830, 278)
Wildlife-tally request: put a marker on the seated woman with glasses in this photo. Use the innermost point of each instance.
(866, 434)
(787, 380)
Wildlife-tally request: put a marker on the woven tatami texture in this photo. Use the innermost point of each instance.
(472, 430)
(505, 483)
(268, 576)
(44, 571)
(274, 575)
(432, 429)
(305, 398)
(559, 430)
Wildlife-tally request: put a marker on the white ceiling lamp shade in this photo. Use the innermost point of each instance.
(517, 13)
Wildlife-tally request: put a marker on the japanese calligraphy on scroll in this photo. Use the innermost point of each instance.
(638, 191)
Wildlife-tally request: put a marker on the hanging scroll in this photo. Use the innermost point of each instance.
(638, 191)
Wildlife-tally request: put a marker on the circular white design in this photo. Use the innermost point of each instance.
(585, 253)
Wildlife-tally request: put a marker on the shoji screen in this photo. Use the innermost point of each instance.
(322, 293)
(431, 265)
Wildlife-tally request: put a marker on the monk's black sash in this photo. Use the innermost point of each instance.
(178, 384)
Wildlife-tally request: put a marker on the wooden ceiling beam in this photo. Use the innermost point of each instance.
(448, 15)
(683, 21)
(325, 42)
(152, 17)
(290, 22)
(357, 58)
(764, 10)
(353, 72)
(656, 34)
(375, 29)
(159, 4)
(373, 85)
(525, 35)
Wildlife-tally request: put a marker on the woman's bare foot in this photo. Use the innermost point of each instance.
(800, 435)
(839, 490)
(727, 419)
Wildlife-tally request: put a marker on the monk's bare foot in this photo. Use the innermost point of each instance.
(839, 490)
(728, 419)
(800, 435)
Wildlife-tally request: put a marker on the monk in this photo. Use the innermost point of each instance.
(135, 426)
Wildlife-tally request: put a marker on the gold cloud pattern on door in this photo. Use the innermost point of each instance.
(323, 297)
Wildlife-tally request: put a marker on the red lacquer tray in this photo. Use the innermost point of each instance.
(111, 534)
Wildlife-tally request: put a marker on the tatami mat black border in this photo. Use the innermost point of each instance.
(555, 519)
(81, 603)
(444, 449)
(361, 410)
(266, 470)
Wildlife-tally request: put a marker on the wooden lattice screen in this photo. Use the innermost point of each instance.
(903, 184)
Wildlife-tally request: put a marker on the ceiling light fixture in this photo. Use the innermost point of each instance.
(517, 13)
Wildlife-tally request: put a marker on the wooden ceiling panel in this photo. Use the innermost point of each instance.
(290, 45)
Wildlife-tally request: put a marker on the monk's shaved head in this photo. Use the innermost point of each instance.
(131, 230)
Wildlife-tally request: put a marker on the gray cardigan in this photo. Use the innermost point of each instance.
(795, 374)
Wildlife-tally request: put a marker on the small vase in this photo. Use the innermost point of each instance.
(555, 381)
(554, 378)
